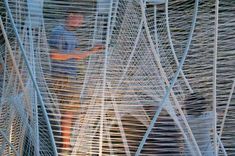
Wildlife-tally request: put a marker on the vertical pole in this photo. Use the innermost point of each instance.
(31, 49)
(104, 79)
(215, 77)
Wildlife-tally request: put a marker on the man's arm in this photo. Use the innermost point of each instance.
(96, 49)
(57, 55)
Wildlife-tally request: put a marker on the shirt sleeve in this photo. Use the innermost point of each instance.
(56, 38)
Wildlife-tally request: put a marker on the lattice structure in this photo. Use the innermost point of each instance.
(163, 85)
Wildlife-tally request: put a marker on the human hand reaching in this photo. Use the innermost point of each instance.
(98, 48)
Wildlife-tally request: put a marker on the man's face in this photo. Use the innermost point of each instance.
(74, 21)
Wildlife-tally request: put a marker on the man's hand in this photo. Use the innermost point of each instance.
(98, 48)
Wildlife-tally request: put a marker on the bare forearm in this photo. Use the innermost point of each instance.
(57, 55)
(86, 54)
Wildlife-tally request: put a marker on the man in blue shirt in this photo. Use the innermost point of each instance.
(64, 54)
(64, 43)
